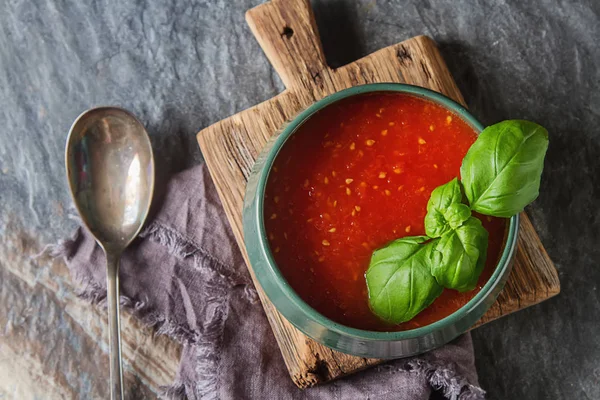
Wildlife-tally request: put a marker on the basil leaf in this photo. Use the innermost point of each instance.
(456, 214)
(459, 256)
(399, 279)
(502, 169)
(445, 210)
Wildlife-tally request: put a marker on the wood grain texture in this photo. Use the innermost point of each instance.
(287, 32)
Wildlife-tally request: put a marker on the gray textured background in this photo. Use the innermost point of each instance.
(182, 65)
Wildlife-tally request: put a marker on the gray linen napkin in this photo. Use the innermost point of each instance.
(185, 276)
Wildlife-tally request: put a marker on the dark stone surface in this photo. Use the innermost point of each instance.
(182, 65)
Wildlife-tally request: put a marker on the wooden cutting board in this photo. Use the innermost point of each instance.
(287, 32)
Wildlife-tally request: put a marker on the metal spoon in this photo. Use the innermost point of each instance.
(110, 168)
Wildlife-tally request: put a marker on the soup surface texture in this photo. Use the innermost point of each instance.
(355, 176)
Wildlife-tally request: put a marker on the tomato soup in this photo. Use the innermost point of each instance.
(355, 176)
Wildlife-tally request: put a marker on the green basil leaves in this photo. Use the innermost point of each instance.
(500, 176)
(459, 256)
(399, 279)
(502, 169)
(445, 210)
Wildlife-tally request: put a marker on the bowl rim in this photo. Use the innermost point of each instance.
(311, 313)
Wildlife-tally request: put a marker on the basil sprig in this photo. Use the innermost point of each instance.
(500, 176)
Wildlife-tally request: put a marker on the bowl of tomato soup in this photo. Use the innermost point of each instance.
(348, 175)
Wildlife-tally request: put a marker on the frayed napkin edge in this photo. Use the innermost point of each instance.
(442, 377)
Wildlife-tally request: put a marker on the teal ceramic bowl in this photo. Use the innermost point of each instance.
(325, 331)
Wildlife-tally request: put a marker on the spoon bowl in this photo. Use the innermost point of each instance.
(110, 169)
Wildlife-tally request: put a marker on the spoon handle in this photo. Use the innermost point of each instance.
(112, 285)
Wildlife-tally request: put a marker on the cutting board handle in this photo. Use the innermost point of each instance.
(287, 32)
